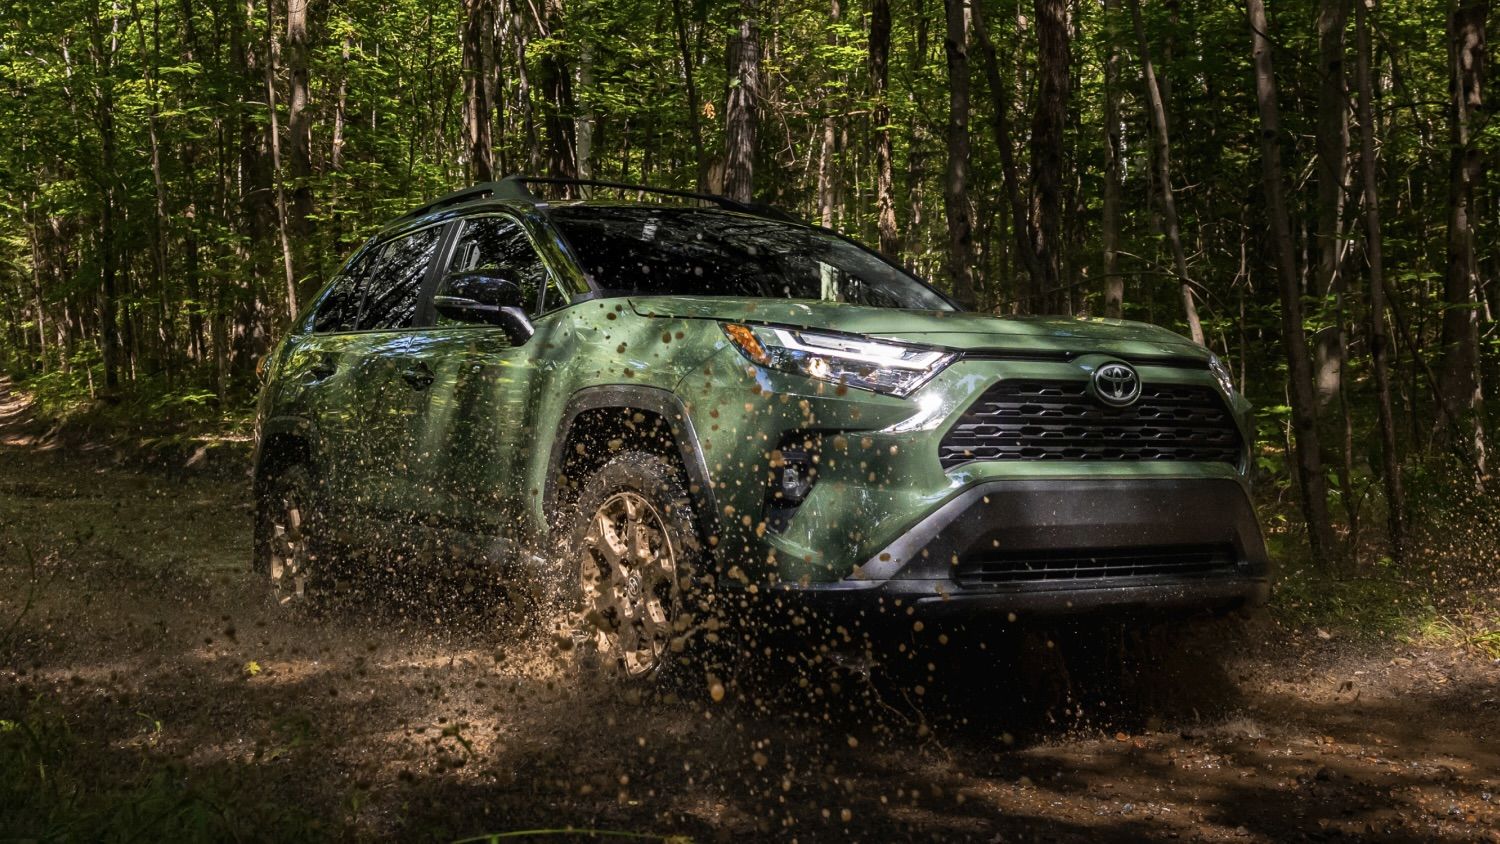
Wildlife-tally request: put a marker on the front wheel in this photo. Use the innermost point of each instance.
(634, 546)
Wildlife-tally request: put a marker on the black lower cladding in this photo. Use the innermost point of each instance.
(1064, 546)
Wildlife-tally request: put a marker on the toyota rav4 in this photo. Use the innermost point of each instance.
(670, 411)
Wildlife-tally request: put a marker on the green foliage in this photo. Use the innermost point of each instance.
(1386, 603)
(141, 240)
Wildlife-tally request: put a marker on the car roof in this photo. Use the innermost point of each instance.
(514, 192)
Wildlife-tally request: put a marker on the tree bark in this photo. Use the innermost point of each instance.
(885, 196)
(298, 122)
(1048, 120)
(827, 182)
(1307, 450)
(557, 87)
(478, 54)
(956, 177)
(1020, 213)
(1157, 108)
(741, 111)
(274, 136)
(103, 50)
(1462, 388)
(1379, 341)
(1333, 185)
(340, 107)
(192, 269)
(916, 153)
(150, 57)
(695, 130)
(1114, 283)
(523, 96)
(825, 173)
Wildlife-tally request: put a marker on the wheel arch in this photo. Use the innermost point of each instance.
(645, 418)
(283, 442)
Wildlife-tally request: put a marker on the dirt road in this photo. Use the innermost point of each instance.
(132, 617)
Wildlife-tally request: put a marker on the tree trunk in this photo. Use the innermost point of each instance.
(1048, 120)
(274, 136)
(103, 50)
(955, 181)
(557, 87)
(192, 269)
(478, 53)
(1158, 111)
(1308, 453)
(340, 106)
(1395, 498)
(916, 153)
(255, 191)
(1114, 283)
(741, 116)
(583, 121)
(150, 57)
(885, 197)
(523, 97)
(695, 131)
(1462, 389)
(1021, 222)
(825, 174)
(298, 122)
(827, 181)
(1333, 185)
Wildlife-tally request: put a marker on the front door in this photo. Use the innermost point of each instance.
(478, 419)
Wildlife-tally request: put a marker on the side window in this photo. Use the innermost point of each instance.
(500, 244)
(395, 287)
(339, 308)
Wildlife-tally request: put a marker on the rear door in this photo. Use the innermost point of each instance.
(478, 415)
(319, 372)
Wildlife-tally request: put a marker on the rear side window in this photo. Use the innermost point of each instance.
(501, 245)
(395, 287)
(339, 308)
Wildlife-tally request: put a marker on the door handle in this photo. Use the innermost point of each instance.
(418, 375)
(322, 367)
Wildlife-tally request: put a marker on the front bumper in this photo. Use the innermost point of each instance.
(929, 570)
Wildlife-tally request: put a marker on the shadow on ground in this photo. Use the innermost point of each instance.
(140, 660)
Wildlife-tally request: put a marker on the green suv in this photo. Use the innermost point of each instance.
(669, 412)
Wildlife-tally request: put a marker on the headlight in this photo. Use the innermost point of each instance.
(1221, 374)
(893, 368)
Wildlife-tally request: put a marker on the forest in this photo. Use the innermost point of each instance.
(1306, 187)
(1303, 188)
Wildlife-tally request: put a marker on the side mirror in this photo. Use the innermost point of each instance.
(480, 296)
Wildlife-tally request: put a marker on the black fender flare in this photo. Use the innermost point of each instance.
(283, 426)
(664, 404)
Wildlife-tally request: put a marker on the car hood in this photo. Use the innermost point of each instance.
(970, 332)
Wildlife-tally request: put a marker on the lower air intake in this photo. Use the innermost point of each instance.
(1096, 564)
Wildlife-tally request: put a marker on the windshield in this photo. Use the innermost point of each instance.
(706, 252)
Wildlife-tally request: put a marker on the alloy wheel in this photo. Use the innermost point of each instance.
(628, 579)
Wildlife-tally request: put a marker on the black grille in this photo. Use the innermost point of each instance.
(1092, 564)
(1059, 420)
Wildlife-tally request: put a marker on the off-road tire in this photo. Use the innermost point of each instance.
(631, 608)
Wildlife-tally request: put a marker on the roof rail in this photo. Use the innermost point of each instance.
(483, 190)
(514, 187)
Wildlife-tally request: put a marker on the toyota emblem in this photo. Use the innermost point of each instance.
(1116, 384)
